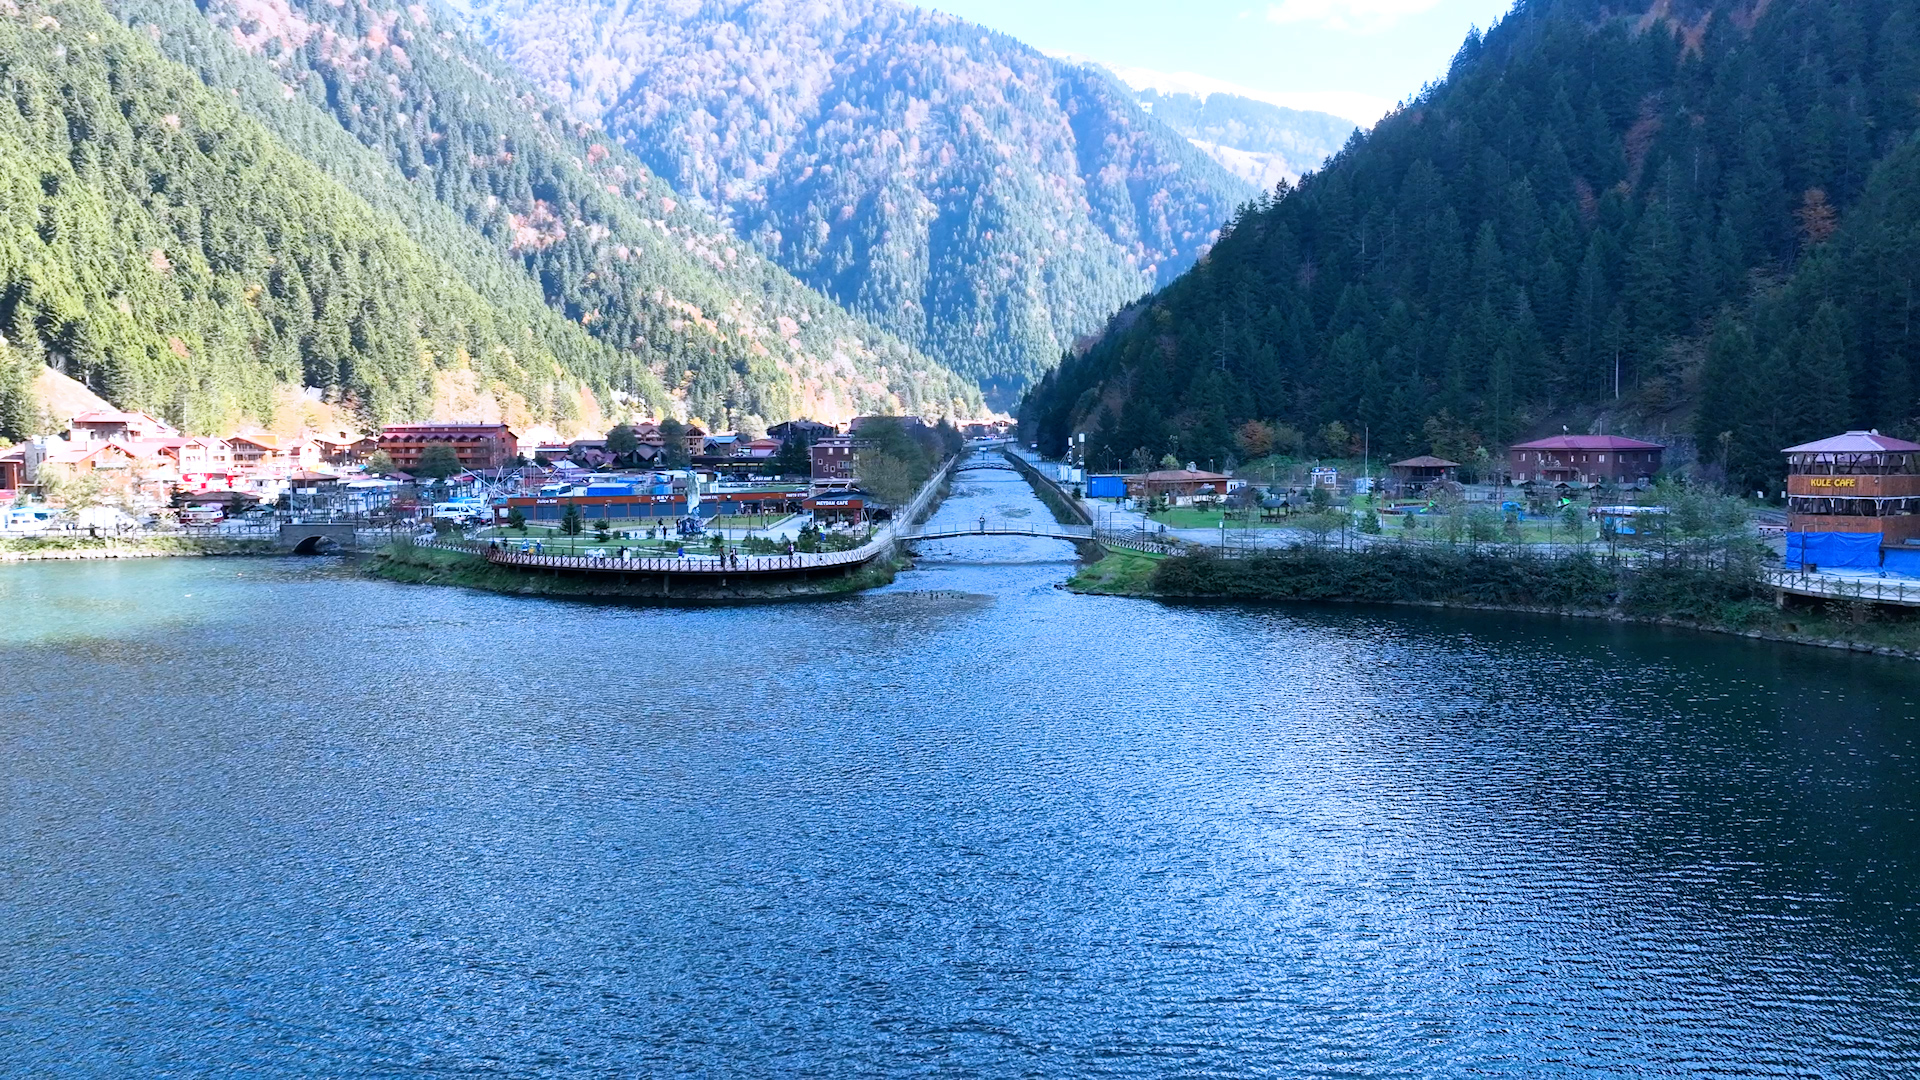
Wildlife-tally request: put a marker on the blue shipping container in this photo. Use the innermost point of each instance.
(1107, 487)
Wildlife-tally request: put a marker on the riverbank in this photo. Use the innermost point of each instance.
(413, 565)
(1579, 585)
(66, 548)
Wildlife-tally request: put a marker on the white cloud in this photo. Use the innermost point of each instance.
(1363, 16)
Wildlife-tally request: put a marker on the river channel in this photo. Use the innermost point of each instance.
(272, 817)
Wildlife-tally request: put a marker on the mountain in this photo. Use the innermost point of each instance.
(608, 242)
(170, 253)
(1260, 143)
(1681, 218)
(567, 279)
(973, 196)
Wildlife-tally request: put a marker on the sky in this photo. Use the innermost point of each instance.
(1353, 58)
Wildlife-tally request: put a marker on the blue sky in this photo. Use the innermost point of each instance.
(1350, 57)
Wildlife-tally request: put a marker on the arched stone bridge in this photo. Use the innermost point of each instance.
(312, 539)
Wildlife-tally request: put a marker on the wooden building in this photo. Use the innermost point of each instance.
(850, 506)
(1584, 459)
(1178, 485)
(1852, 500)
(477, 446)
(1414, 475)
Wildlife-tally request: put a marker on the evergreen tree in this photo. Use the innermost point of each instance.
(438, 461)
(1593, 197)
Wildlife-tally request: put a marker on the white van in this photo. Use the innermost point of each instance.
(27, 520)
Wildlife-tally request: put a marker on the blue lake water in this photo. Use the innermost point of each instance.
(270, 817)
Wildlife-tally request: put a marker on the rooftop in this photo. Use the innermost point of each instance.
(1588, 442)
(1174, 476)
(1855, 442)
(1425, 461)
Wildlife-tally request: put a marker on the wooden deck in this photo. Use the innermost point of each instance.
(1861, 588)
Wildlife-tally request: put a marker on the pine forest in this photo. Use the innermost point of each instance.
(1694, 220)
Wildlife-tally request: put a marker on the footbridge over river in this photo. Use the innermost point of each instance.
(1040, 530)
(985, 526)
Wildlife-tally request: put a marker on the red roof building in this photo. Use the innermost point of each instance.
(1584, 459)
(1177, 484)
(477, 446)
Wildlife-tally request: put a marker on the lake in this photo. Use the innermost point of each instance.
(268, 816)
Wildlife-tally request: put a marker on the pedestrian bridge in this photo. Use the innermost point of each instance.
(1000, 527)
(1043, 530)
(980, 466)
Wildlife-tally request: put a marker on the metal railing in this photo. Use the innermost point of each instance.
(703, 565)
(1004, 527)
(686, 564)
(1834, 587)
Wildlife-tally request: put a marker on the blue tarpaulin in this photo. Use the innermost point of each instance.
(1902, 561)
(1836, 551)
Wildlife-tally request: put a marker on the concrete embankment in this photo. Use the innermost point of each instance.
(1065, 510)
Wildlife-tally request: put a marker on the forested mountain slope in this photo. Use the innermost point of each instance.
(1261, 143)
(979, 199)
(1554, 234)
(401, 104)
(173, 255)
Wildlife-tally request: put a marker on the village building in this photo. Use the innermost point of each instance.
(190, 464)
(844, 506)
(833, 461)
(808, 430)
(261, 454)
(752, 498)
(647, 500)
(1584, 459)
(1179, 486)
(14, 469)
(344, 447)
(1853, 502)
(110, 425)
(696, 440)
(1416, 474)
(476, 446)
(724, 445)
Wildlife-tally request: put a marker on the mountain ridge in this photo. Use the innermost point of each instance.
(1554, 234)
(611, 247)
(965, 191)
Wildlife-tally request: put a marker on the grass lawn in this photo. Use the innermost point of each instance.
(1187, 518)
(1434, 527)
(746, 521)
(1121, 573)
